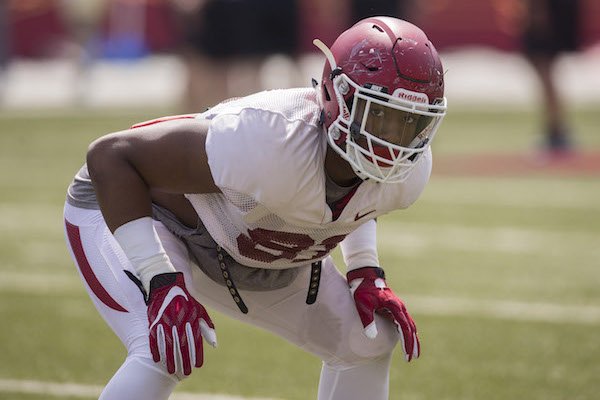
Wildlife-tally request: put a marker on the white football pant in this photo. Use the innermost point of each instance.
(354, 367)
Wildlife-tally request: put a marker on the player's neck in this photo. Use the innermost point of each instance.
(338, 169)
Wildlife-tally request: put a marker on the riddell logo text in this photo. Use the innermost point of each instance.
(411, 96)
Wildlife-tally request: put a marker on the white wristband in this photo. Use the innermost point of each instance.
(359, 248)
(143, 248)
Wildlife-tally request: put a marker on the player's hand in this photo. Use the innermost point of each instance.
(177, 324)
(371, 295)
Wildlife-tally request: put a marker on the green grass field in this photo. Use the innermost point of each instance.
(501, 274)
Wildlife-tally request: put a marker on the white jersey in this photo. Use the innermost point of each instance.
(266, 153)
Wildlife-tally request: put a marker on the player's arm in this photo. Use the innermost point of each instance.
(168, 156)
(369, 289)
(124, 166)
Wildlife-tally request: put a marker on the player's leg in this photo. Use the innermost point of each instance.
(102, 266)
(355, 367)
(139, 378)
(330, 328)
(364, 381)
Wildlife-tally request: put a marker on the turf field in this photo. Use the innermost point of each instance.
(500, 269)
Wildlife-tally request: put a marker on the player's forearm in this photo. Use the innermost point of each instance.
(122, 193)
(359, 248)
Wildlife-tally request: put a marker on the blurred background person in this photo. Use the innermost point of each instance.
(35, 49)
(324, 19)
(403, 9)
(551, 28)
(4, 40)
(37, 29)
(83, 20)
(4, 32)
(226, 41)
(137, 28)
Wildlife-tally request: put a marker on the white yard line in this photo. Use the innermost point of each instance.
(416, 238)
(40, 283)
(503, 309)
(92, 391)
(571, 196)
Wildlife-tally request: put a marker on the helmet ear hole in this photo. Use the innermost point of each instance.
(326, 92)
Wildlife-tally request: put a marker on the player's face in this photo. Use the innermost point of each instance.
(394, 126)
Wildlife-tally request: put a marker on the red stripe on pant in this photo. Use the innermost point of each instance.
(86, 269)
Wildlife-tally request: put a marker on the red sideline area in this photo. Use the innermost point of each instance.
(572, 164)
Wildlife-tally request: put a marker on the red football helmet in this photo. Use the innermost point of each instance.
(382, 95)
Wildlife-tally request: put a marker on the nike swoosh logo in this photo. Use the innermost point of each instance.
(359, 215)
(173, 292)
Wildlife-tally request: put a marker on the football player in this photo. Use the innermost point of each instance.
(238, 208)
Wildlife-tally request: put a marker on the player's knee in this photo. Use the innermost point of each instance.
(159, 368)
(361, 349)
(139, 350)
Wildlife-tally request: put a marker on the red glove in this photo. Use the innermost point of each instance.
(371, 295)
(177, 324)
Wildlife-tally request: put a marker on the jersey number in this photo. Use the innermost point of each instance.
(267, 246)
